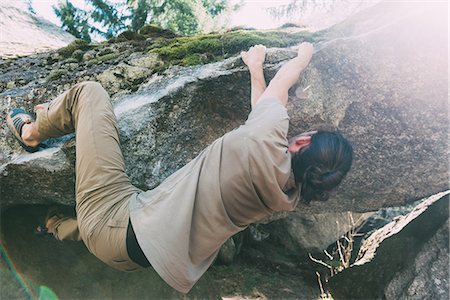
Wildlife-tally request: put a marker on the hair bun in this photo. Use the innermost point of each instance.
(321, 166)
(316, 184)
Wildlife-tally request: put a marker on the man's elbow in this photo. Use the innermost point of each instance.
(277, 90)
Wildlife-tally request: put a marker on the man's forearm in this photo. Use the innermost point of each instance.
(258, 84)
(279, 86)
(289, 73)
(285, 78)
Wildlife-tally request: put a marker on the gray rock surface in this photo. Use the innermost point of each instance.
(380, 77)
(388, 97)
(428, 276)
(24, 33)
(410, 264)
(309, 233)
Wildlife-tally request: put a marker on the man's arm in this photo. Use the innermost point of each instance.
(288, 75)
(254, 59)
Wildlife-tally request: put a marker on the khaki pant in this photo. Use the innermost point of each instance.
(102, 188)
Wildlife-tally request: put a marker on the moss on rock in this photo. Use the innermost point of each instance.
(129, 35)
(159, 43)
(196, 59)
(104, 51)
(193, 59)
(78, 55)
(291, 25)
(56, 74)
(212, 47)
(71, 60)
(72, 47)
(151, 30)
(108, 56)
(103, 58)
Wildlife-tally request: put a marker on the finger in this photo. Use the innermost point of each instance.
(305, 45)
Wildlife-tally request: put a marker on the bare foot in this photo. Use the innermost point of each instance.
(51, 224)
(30, 135)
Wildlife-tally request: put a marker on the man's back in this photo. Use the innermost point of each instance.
(256, 165)
(238, 179)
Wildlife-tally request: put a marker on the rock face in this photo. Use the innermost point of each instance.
(428, 275)
(309, 233)
(24, 33)
(412, 264)
(380, 77)
(373, 80)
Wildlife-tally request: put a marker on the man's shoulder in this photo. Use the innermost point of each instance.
(264, 131)
(267, 110)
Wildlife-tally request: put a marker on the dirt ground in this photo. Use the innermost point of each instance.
(71, 272)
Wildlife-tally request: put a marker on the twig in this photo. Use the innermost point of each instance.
(328, 254)
(319, 262)
(340, 252)
(322, 292)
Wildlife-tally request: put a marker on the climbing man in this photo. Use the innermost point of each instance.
(178, 227)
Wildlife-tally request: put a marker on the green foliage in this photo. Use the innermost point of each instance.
(176, 15)
(30, 7)
(215, 7)
(72, 47)
(297, 7)
(56, 74)
(107, 19)
(74, 20)
(108, 16)
(211, 47)
(140, 10)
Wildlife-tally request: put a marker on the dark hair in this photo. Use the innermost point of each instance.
(321, 166)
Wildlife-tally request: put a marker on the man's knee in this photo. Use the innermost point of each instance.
(93, 91)
(92, 86)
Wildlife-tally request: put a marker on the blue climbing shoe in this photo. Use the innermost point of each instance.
(15, 120)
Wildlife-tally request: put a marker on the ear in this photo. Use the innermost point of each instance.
(299, 143)
(303, 140)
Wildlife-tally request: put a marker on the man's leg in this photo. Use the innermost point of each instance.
(64, 229)
(101, 181)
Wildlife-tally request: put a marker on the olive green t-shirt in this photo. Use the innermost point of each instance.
(239, 179)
